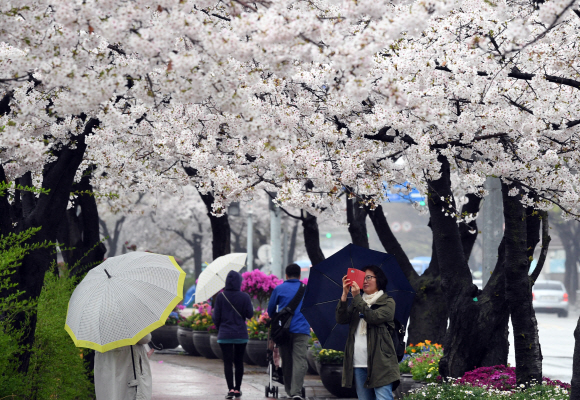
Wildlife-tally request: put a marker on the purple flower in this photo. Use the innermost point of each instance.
(500, 377)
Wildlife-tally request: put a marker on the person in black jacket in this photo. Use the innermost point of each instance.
(231, 309)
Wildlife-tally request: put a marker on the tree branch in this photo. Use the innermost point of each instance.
(545, 244)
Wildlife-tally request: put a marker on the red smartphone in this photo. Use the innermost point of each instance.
(356, 275)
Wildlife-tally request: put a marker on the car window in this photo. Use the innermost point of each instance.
(548, 286)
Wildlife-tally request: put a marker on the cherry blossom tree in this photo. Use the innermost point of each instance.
(301, 98)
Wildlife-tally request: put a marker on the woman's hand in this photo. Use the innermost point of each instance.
(345, 288)
(354, 289)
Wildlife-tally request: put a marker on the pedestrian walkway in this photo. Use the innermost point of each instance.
(174, 382)
(177, 376)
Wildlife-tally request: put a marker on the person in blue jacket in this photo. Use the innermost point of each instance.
(231, 309)
(294, 364)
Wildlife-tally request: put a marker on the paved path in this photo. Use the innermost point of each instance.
(171, 381)
(179, 376)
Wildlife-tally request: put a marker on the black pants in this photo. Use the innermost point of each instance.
(233, 354)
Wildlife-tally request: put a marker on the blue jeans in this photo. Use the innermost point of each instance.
(378, 393)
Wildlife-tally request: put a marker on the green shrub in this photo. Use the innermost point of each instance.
(57, 369)
(58, 366)
(11, 381)
(454, 391)
(12, 250)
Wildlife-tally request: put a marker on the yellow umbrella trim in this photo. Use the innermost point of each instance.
(143, 332)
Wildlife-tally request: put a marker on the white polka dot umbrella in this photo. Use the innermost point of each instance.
(123, 299)
(213, 277)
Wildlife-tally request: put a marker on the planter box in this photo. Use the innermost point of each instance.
(215, 346)
(165, 337)
(247, 358)
(408, 384)
(185, 339)
(256, 350)
(331, 377)
(202, 344)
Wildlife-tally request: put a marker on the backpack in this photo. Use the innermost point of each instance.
(398, 337)
(280, 323)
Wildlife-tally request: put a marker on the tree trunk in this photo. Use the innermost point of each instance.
(477, 333)
(292, 245)
(197, 256)
(468, 238)
(113, 239)
(80, 233)
(429, 313)
(519, 290)
(220, 229)
(47, 212)
(356, 217)
(312, 238)
(428, 319)
(575, 394)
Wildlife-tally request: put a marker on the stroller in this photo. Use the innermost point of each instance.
(275, 369)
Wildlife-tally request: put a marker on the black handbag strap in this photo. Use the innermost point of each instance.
(297, 298)
(235, 309)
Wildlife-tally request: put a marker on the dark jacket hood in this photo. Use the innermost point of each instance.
(233, 281)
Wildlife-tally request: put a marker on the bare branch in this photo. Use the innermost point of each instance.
(545, 244)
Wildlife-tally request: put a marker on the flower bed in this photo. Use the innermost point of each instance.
(201, 319)
(327, 356)
(422, 361)
(455, 391)
(259, 285)
(500, 377)
(175, 317)
(258, 326)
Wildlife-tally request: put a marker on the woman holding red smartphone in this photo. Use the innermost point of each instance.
(370, 359)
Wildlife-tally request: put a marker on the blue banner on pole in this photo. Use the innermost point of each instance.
(414, 196)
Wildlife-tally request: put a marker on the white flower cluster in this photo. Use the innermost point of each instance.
(302, 98)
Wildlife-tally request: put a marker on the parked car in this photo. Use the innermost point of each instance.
(550, 296)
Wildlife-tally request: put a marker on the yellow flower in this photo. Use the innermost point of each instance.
(428, 342)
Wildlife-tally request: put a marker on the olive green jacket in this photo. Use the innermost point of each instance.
(383, 367)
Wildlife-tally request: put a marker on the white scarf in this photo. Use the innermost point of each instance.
(370, 299)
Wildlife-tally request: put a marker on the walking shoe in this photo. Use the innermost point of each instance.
(231, 394)
(238, 394)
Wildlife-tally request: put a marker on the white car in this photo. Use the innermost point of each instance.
(550, 296)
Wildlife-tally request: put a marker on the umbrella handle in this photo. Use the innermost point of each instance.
(133, 360)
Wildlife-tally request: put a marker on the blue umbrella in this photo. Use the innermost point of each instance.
(189, 297)
(325, 288)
